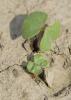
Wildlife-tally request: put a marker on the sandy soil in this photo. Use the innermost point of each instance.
(15, 83)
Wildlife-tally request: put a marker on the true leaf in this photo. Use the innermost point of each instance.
(40, 60)
(36, 70)
(33, 68)
(33, 24)
(51, 33)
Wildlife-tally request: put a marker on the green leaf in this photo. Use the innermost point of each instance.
(40, 60)
(36, 70)
(33, 68)
(33, 24)
(51, 33)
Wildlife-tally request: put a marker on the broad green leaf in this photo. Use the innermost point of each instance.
(40, 60)
(33, 24)
(51, 33)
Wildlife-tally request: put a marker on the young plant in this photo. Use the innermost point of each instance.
(32, 25)
(39, 62)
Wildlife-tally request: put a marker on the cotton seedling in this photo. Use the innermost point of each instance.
(32, 25)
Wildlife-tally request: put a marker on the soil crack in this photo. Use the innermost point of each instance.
(9, 67)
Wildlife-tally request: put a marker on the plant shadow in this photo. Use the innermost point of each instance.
(16, 25)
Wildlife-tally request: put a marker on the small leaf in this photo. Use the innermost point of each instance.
(40, 60)
(33, 68)
(36, 70)
(51, 33)
(33, 24)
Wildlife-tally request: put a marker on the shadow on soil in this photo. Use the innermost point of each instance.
(16, 25)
